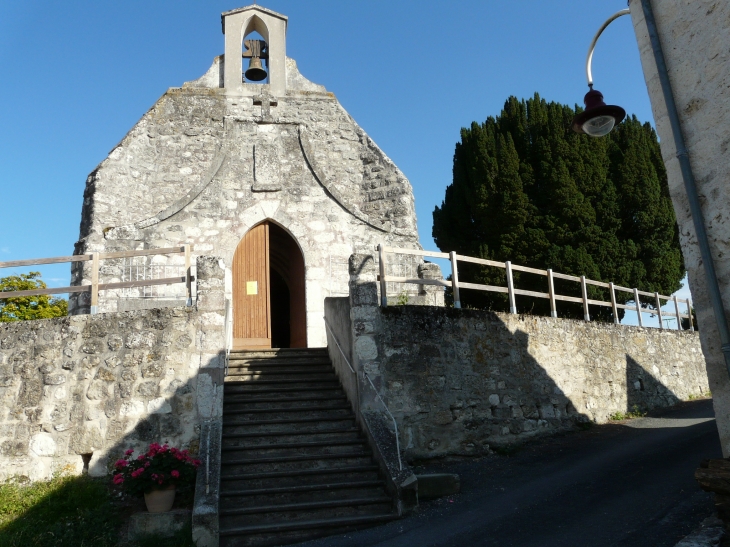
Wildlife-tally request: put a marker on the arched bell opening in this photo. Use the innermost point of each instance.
(255, 52)
(269, 301)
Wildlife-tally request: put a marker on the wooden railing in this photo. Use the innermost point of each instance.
(95, 286)
(511, 291)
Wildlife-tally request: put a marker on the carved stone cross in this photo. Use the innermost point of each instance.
(266, 102)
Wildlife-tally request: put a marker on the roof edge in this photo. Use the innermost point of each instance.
(254, 7)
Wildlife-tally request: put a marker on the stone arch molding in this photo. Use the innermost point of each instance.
(221, 158)
(254, 24)
(272, 212)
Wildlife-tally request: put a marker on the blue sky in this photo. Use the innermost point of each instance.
(77, 75)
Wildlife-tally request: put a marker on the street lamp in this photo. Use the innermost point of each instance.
(590, 120)
(599, 118)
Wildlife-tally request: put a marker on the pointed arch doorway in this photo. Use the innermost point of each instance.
(269, 305)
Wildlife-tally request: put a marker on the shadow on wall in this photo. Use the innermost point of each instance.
(644, 391)
(460, 381)
(77, 391)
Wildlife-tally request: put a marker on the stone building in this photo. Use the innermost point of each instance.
(695, 39)
(273, 176)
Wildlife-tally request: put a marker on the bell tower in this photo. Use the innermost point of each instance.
(238, 24)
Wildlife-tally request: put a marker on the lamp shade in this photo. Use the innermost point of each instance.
(599, 118)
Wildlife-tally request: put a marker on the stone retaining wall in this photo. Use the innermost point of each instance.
(460, 381)
(79, 390)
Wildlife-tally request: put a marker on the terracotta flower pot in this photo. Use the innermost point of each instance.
(160, 501)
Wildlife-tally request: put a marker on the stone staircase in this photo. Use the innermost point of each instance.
(294, 464)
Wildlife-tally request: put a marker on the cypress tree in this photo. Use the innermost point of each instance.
(526, 188)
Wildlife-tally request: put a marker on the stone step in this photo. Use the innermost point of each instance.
(308, 410)
(294, 489)
(295, 464)
(289, 353)
(284, 435)
(299, 479)
(283, 496)
(304, 506)
(294, 449)
(238, 369)
(298, 512)
(261, 423)
(242, 389)
(233, 464)
(290, 399)
(280, 534)
(233, 383)
(368, 468)
(274, 363)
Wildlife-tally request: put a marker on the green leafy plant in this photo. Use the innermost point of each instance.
(402, 298)
(635, 412)
(156, 469)
(28, 307)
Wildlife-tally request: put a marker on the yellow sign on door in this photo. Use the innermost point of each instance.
(252, 287)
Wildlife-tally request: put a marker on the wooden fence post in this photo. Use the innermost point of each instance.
(614, 307)
(584, 290)
(510, 288)
(638, 306)
(689, 312)
(551, 293)
(383, 285)
(455, 280)
(188, 284)
(94, 283)
(659, 310)
(676, 309)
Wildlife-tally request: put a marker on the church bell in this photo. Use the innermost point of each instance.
(256, 50)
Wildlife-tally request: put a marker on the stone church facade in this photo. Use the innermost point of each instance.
(275, 178)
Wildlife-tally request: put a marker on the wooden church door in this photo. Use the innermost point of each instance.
(268, 281)
(251, 308)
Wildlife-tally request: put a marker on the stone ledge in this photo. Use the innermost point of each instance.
(160, 524)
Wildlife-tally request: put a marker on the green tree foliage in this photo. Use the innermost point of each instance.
(28, 307)
(526, 188)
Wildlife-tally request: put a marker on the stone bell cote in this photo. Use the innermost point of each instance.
(238, 24)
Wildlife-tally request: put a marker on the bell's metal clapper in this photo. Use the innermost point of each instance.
(255, 50)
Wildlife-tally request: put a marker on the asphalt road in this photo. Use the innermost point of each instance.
(628, 484)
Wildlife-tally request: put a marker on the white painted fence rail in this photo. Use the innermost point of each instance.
(550, 295)
(95, 286)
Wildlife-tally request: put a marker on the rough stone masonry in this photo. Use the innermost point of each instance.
(461, 381)
(695, 39)
(77, 391)
(213, 158)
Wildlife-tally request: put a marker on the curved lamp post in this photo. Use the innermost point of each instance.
(599, 118)
(594, 122)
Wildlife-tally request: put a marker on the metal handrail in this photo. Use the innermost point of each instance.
(395, 425)
(327, 324)
(229, 333)
(207, 461)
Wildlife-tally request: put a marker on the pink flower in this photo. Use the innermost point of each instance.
(140, 457)
(129, 452)
(120, 464)
(118, 478)
(137, 472)
(196, 463)
(154, 476)
(175, 473)
(146, 464)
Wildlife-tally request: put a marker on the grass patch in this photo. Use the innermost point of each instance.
(64, 511)
(69, 511)
(635, 412)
